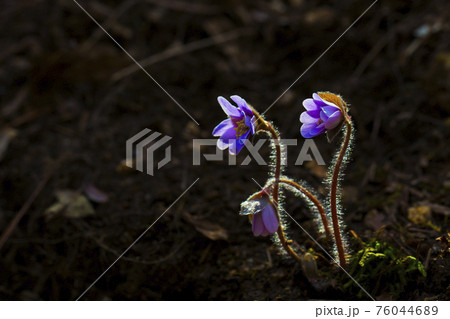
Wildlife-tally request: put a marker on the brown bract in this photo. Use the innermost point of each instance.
(335, 99)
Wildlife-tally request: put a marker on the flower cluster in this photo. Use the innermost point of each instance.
(324, 112)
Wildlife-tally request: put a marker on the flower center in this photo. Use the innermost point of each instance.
(240, 128)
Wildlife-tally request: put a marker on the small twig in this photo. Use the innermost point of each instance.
(427, 260)
(361, 243)
(269, 258)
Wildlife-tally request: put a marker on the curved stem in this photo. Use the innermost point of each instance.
(333, 193)
(276, 140)
(313, 199)
(266, 126)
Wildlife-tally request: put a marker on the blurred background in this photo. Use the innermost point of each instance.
(70, 98)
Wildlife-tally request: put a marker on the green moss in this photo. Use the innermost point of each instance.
(380, 267)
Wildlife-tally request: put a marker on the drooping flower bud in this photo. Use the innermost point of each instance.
(261, 210)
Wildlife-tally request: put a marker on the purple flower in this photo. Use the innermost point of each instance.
(262, 213)
(323, 112)
(235, 130)
(265, 222)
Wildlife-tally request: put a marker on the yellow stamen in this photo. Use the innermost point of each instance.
(241, 128)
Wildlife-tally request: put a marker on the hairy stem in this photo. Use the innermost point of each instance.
(263, 125)
(275, 192)
(333, 192)
(314, 200)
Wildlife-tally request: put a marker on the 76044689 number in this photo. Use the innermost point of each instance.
(418, 310)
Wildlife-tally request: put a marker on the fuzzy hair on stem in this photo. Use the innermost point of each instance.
(334, 182)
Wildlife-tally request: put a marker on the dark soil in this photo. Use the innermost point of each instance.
(71, 107)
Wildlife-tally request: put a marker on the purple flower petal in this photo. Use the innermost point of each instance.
(333, 120)
(270, 218)
(257, 224)
(229, 134)
(330, 109)
(244, 137)
(317, 97)
(305, 130)
(229, 109)
(222, 127)
(94, 194)
(323, 116)
(307, 118)
(315, 113)
(233, 147)
(250, 122)
(312, 130)
(222, 145)
(310, 105)
(242, 104)
(239, 143)
(319, 101)
(318, 129)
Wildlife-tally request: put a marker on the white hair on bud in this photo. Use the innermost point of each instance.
(250, 207)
